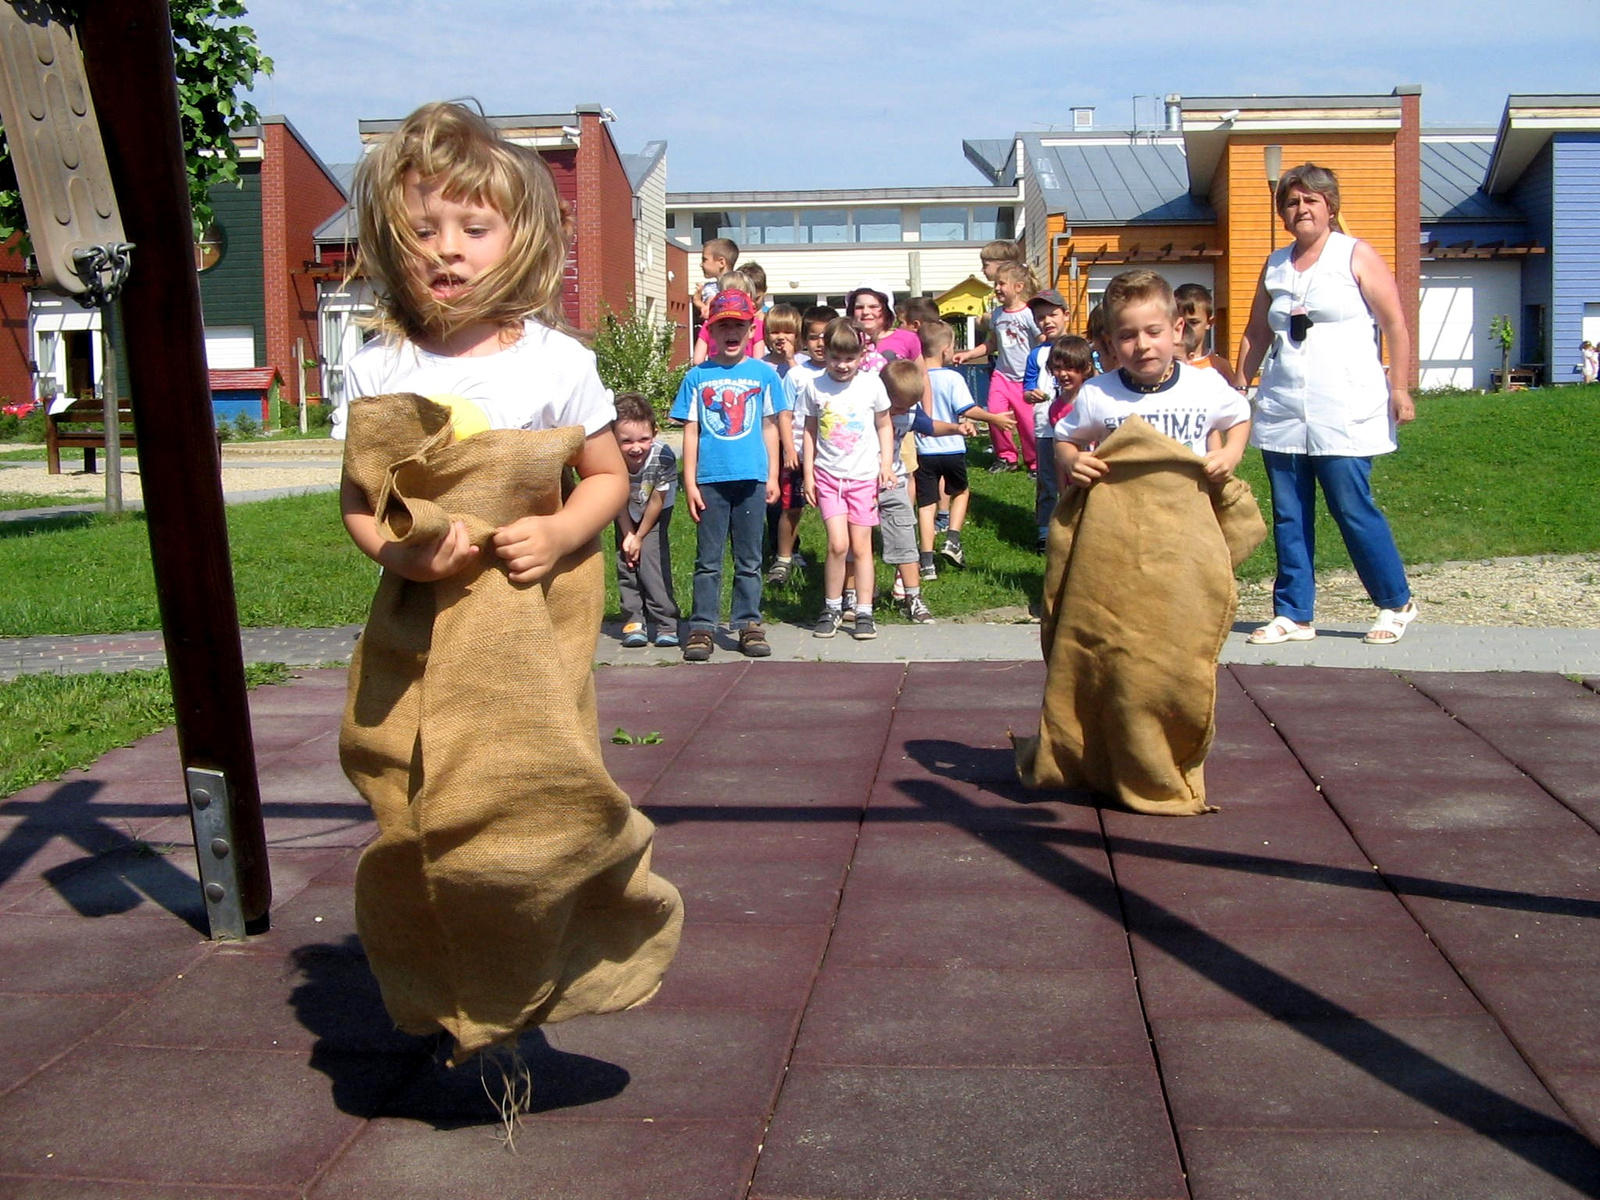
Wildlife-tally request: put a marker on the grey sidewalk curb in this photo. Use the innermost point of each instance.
(1424, 648)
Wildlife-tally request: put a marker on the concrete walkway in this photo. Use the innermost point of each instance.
(1424, 648)
(1372, 974)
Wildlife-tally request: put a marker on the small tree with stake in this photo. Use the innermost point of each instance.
(1500, 331)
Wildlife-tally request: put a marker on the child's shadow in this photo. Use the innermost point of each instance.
(375, 1070)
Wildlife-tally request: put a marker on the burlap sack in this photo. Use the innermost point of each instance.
(510, 883)
(1138, 597)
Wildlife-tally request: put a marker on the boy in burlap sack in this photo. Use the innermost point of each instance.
(510, 883)
(1139, 590)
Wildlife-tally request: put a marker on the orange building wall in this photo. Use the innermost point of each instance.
(1365, 164)
(678, 301)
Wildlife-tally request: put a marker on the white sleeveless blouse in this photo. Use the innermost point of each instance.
(1327, 394)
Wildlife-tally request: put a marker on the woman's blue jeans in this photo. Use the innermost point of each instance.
(735, 511)
(1347, 488)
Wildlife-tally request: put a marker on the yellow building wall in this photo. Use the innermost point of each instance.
(1365, 165)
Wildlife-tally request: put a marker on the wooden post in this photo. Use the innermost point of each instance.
(300, 371)
(128, 55)
(111, 407)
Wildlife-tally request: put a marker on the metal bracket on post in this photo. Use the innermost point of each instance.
(211, 815)
(103, 269)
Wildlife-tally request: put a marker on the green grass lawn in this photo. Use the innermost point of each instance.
(52, 723)
(1476, 477)
(12, 501)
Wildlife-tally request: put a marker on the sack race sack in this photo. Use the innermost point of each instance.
(1138, 598)
(510, 881)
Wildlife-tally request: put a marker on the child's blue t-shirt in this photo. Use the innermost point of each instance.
(730, 404)
(951, 398)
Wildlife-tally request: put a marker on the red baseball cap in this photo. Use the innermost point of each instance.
(730, 304)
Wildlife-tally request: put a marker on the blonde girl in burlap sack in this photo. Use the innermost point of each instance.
(510, 883)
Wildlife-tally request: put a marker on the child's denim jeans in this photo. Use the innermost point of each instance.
(735, 512)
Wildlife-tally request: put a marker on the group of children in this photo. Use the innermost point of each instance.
(789, 409)
(785, 409)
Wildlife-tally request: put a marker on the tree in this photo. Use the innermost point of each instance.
(217, 58)
(1500, 332)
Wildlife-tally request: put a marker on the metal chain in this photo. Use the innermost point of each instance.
(103, 269)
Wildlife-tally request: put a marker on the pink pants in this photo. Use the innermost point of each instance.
(1006, 395)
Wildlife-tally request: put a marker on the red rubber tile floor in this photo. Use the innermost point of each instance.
(1373, 973)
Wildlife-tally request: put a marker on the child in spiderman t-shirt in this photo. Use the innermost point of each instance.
(729, 405)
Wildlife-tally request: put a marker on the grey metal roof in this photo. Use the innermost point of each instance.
(1091, 183)
(337, 229)
(993, 157)
(526, 121)
(1452, 182)
(639, 165)
(1248, 103)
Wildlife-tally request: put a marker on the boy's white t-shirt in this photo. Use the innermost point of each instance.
(545, 380)
(1186, 408)
(847, 431)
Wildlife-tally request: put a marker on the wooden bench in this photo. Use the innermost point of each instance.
(83, 425)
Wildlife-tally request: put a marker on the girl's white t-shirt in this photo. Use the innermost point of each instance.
(545, 380)
(847, 430)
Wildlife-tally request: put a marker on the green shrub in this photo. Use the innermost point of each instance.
(31, 427)
(246, 427)
(224, 430)
(635, 356)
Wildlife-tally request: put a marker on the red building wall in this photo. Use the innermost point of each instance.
(296, 197)
(16, 379)
(563, 166)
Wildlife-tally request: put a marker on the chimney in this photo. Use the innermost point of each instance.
(1082, 119)
(1174, 111)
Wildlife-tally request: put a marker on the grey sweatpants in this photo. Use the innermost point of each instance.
(646, 593)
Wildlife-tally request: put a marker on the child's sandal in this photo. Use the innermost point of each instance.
(1391, 624)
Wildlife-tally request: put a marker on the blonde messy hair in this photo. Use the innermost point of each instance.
(450, 145)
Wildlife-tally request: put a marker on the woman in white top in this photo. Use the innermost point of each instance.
(1325, 407)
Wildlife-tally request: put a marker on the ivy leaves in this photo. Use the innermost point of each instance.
(216, 58)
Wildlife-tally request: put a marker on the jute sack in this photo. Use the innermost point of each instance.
(1138, 597)
(510, 882)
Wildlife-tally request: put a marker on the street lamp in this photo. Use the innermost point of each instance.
(1274, 160)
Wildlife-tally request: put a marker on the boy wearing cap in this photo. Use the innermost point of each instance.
(1038, 389)
(729, 406)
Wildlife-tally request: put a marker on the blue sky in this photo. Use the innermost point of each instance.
(808, 95)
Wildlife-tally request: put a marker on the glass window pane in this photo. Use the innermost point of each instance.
(944, 224)
(708, 225)
(877, 225)
(824, 225)
(990, 222)
(769, 228)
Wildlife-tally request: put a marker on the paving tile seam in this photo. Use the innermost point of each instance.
(678, 749)
(1505, 755)
(1460, 970)
(1152, 1047)
(797, 1028)
(199, 1189)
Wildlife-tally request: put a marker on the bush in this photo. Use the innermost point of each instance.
(224, 430)
(634, 356)
(246, 427)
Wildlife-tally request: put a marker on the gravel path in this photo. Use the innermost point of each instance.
(1550, 591)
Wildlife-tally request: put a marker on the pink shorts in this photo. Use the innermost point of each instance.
(856, 500)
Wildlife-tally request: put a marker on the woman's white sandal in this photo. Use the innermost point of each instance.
(1391, 624)
(1281, 629)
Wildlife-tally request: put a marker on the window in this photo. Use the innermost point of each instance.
(769, 228)
(709, 225)
(208, 249)
(990, 222)
(877, 225)
(824, 225)
(944, 225)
